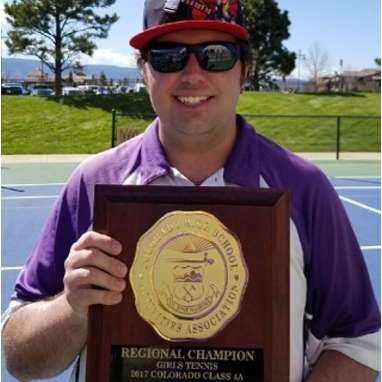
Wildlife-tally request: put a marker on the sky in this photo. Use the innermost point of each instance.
(348, 30)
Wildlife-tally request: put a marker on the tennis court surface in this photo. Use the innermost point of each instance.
(30, 189)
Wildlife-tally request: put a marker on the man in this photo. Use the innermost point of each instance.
(194, 65)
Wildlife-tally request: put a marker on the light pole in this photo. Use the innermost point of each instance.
(300, 57)
(42, 71)
(341, 75)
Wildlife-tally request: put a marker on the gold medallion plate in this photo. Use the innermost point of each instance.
(188, 276)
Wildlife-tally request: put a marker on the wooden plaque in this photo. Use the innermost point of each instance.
(252, 345)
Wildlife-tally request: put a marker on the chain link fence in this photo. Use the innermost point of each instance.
(299, 133)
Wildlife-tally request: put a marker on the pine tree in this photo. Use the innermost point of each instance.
(268, 27)
(102, 79)
(56, 31)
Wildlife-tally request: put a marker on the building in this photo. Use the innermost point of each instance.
(37, 76)
(366, 80)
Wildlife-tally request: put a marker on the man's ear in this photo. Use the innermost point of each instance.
(247, 71)
(143, 72)
(244, 76)
(141, 67)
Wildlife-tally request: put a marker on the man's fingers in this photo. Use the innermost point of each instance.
(86, 277)
(92, 274)
(97, 240)
(87, 297)
(104, 297)
(96, 258)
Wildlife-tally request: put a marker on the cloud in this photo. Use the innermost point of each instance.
(3, 20)
(100, 57)
(5, 53)
(3, 23)
(301, 73)
(109, 57)
(4, 49)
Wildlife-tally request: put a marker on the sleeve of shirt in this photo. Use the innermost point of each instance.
(71, 216)
(42, 275)
(342, 309)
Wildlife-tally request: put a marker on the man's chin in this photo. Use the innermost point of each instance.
(194, 128)
(187, 128)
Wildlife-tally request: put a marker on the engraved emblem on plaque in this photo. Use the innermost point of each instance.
(188, 276)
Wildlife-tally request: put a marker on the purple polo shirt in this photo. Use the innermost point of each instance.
(339, 297)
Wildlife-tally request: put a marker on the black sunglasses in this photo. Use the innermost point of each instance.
(213, 56)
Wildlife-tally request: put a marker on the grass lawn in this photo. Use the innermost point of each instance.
(312, 133)
(82, 124)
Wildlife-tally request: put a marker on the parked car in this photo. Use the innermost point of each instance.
(41, 90)
(70, 91)
(13, 88)
(139, 87)
(88, 89)
(124, 89)
(102, 90)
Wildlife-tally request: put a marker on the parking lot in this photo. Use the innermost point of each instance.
(46, 90)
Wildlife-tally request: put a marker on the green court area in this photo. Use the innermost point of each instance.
(36, 173)
(350, 167)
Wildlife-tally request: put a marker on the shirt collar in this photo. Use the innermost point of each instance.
(214, 180)
(154, 163)
(241, 167)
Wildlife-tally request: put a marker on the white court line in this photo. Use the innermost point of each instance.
(356, 177)
(11, 268)
(357, 187)
(370, 247)
(24, 208)
(32, 184)
(358, 204)
(29, 197)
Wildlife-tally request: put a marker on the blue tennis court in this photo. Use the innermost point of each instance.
(26, 206)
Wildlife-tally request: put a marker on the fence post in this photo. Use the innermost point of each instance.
(338, 137)
(113, 127)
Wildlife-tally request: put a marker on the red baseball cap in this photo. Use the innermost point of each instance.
(164, 16)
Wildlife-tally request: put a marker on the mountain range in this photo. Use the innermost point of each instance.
(18, 69)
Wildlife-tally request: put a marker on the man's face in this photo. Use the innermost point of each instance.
(195, 105)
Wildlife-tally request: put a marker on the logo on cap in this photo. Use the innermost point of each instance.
(165, 16)
(171, 6)
(225, 10)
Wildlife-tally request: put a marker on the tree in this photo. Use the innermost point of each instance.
(78, 68)
(268, 27)
(377, 61)
(56, 31)
(102, 79)
(316, 62)
(70, 78)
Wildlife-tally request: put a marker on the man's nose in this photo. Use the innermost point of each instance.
(192, 68)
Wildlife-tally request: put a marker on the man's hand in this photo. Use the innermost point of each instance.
(42, 338)
(93, 274)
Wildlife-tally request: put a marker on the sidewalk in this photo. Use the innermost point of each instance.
(46, 158)
(76, 158)
(343, 156)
